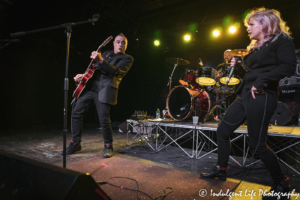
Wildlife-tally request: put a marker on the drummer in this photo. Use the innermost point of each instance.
(224, 68)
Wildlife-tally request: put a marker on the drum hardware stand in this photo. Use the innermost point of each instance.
(211, 113)
(228, 80)
(170, 78)
(196, 103)
(224, 98)
(218, 107)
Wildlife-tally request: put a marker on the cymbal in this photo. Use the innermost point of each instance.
(178, 61)
(239, 52)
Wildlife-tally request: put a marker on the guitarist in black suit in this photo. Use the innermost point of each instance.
(102, 89)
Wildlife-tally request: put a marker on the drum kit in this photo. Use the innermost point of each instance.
(191, 97)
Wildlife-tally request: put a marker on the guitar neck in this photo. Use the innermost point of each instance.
(98, 50)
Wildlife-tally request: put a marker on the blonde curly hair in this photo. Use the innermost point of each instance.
(272, 25)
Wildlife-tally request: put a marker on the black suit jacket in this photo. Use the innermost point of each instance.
(265, 67)
(109, 75)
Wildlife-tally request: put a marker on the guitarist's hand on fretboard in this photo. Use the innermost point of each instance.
(96, 56)
(78, 78)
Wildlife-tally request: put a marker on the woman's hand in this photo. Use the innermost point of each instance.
(255, 91)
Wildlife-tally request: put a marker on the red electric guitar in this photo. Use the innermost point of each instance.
(88, 74)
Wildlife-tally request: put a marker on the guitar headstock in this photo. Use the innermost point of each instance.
(105, 42)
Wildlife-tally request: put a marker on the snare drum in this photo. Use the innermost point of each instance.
(232, 81)
(224, 77)
(206, 72)
(205, 77)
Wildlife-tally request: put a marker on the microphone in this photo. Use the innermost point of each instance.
(200, 62)
(231, 72)
(95, 18)
(184, 107)
(13, 40)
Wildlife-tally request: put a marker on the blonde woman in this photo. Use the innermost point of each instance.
(271, 57)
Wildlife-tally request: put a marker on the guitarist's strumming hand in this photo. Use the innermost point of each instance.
(78, 78)
(97, 57)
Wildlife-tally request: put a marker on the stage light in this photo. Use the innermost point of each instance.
(227, 20)
(232, 29)
(216, 33)
(156, 43)
(193, 27)
(187, 37)
(245, 14)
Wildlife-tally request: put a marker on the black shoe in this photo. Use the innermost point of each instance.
(217, 172)
(279, 190)
(72, 148)
(108, 150)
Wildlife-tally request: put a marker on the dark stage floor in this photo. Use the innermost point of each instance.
(44, 144)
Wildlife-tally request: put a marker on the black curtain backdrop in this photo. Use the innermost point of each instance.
(32, 71)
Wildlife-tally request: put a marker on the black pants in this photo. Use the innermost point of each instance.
(258, 113)
(79, 110)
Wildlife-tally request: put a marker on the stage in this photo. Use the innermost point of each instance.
(167, 166)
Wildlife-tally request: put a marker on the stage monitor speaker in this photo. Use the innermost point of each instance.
(283, 115)
(25, 178)
(123, 127)
(290, 94)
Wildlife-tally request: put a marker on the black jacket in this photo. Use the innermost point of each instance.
(265, 67)
(107, 78)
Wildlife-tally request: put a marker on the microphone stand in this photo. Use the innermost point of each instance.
(5, 45)
(170, 78)
(228, 80)
(224, 90)
(68, 31)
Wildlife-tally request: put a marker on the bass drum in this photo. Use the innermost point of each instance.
(181, 102)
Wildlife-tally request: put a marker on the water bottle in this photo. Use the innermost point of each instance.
(157, 113)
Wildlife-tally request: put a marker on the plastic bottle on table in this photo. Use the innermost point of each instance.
(157, 113)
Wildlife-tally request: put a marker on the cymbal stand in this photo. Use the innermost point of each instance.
(196, 103)
(170, 78)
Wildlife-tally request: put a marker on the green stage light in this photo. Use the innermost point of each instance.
(193, 27)
(245, 14)
(227, 20)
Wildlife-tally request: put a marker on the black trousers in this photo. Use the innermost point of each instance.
(258, 113)
(82, 105)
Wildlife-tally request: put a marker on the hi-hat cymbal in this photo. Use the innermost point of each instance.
(239, 52)
(178, 61)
